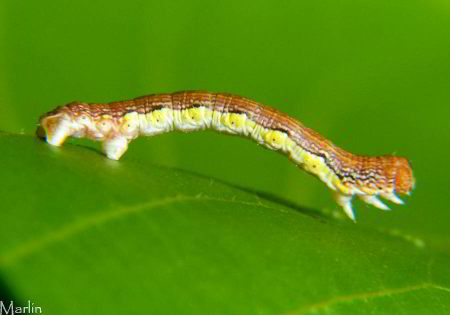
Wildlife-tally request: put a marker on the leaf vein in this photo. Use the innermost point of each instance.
(322, 305)
(76, 227)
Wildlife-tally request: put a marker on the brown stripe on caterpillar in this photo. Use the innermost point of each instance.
(117, 123)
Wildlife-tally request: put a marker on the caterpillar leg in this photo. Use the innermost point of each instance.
(374, 201)
(345, 201)
(392, 197)
(115, 147)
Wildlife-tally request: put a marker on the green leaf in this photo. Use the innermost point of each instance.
(85, 235)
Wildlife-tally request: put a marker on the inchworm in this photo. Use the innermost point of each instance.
(117, 123)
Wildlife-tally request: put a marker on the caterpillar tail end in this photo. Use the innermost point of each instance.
(54, 129)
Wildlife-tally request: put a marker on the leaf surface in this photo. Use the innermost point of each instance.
(83, 234)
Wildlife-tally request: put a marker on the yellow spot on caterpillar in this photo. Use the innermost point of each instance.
(160, 120)
(322, 169)
(130, 125)
(159, 117)
(275, 139)
(237, 120)
(195, 114)
(314, 164)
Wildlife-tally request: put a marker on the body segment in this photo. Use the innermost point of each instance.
(117, 123)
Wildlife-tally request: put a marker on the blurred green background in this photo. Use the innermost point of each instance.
(372, 76)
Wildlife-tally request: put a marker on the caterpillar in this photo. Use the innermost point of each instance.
(117, 123)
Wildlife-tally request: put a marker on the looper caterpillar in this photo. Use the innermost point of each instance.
(117, 123)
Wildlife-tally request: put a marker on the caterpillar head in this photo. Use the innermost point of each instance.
(404, 178)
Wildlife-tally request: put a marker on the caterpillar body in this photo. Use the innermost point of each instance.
(117, 123)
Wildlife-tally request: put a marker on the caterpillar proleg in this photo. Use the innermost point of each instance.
(117, 123)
